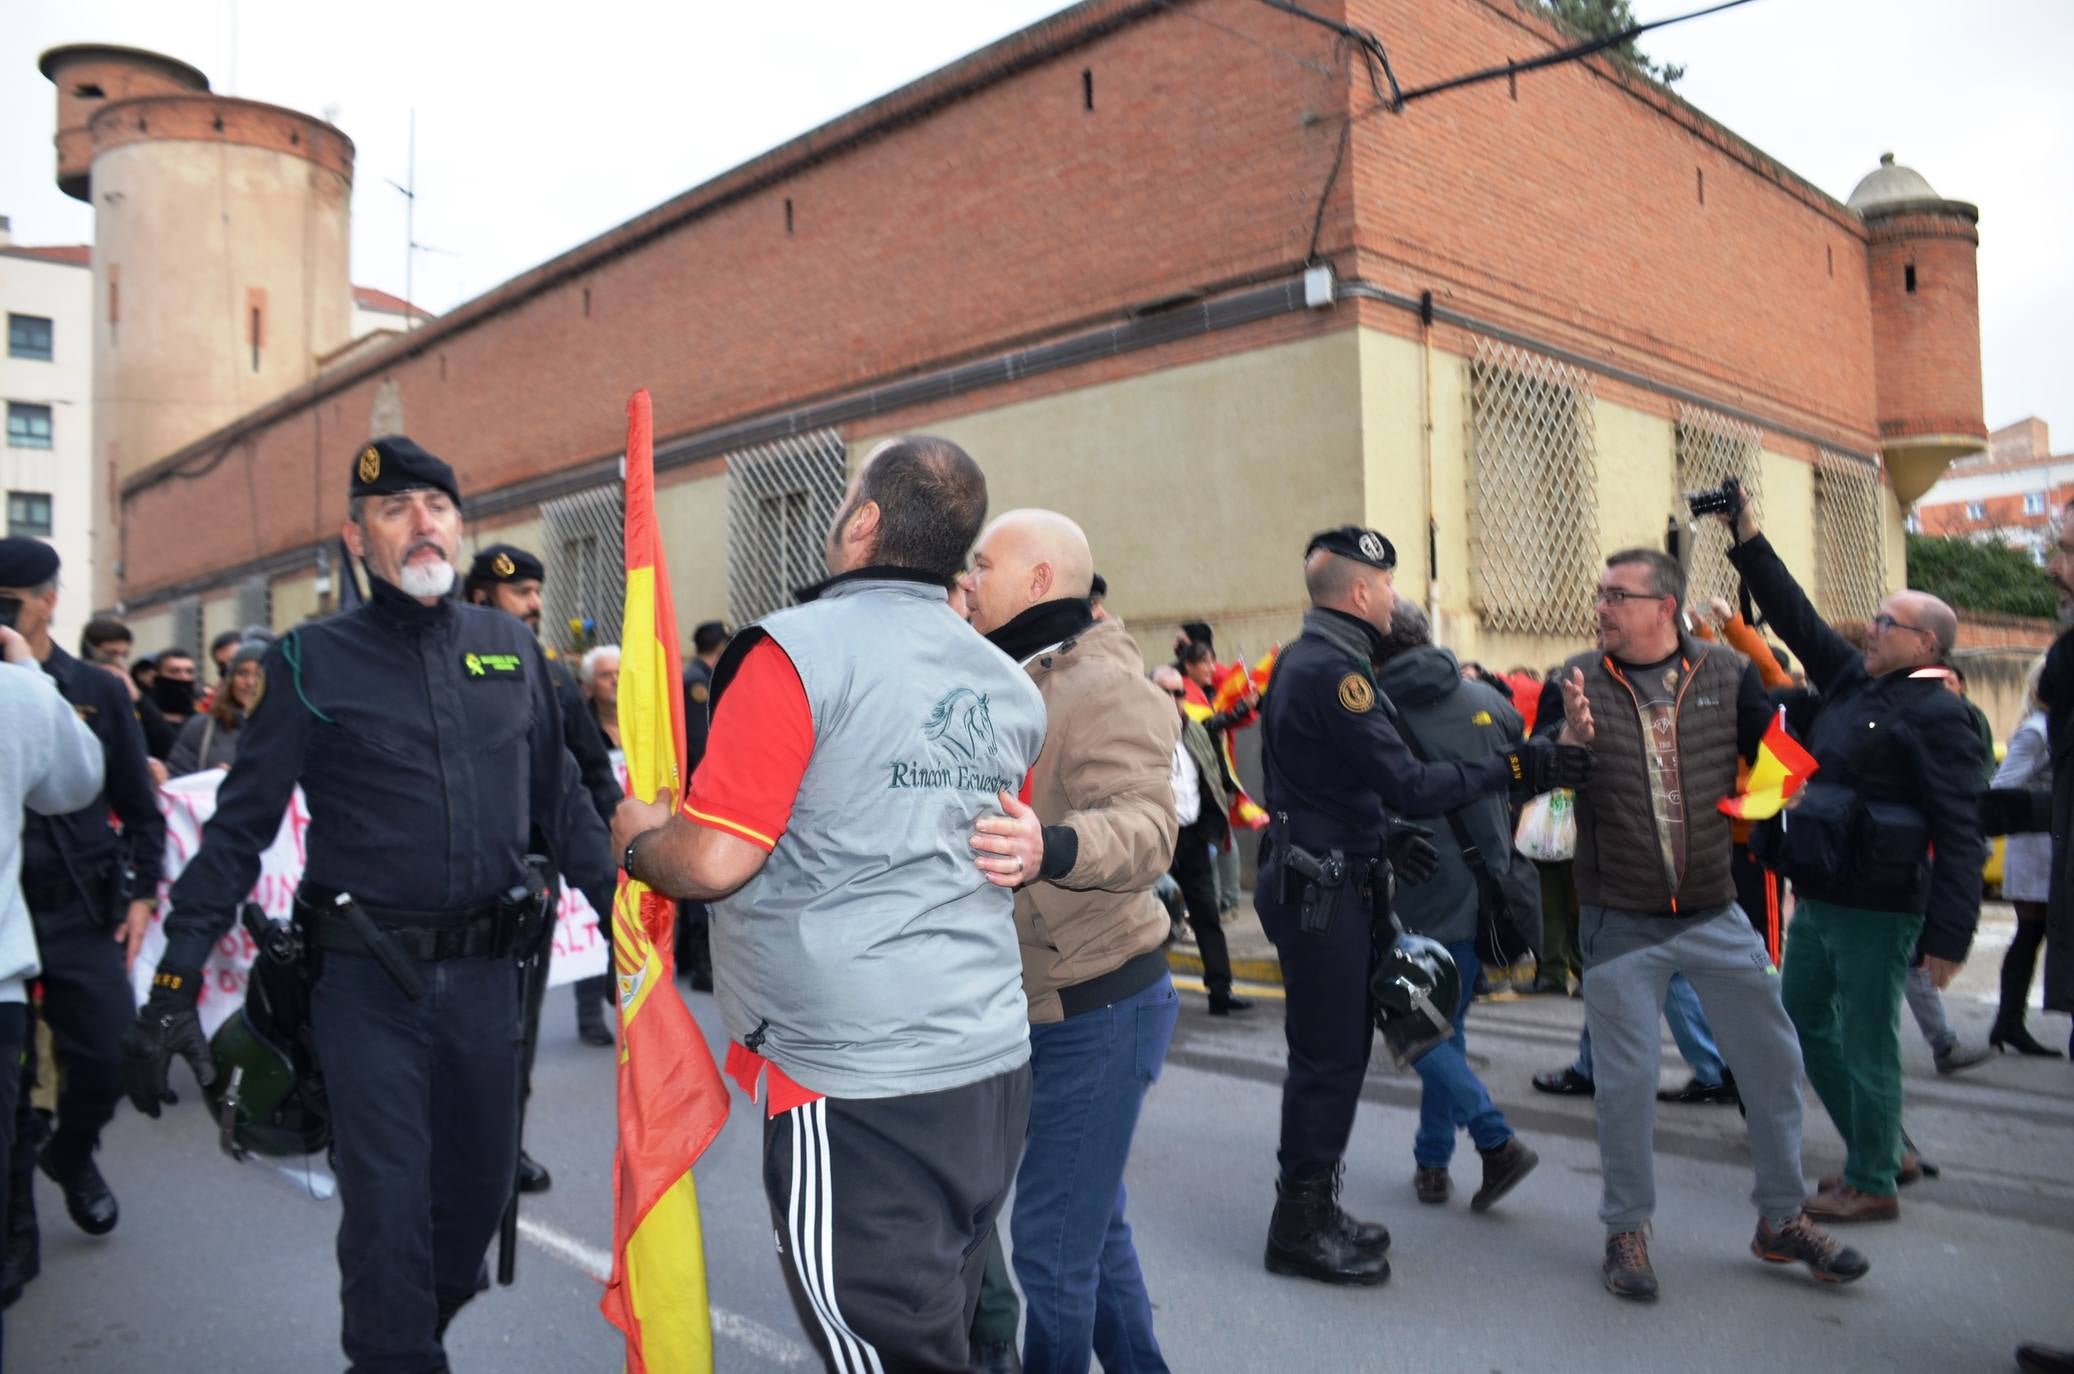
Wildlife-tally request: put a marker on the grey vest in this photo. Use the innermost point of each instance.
(870, 957)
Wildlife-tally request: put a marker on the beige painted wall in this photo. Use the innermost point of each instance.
(1197, 485)
(693, 516)
(149, 633)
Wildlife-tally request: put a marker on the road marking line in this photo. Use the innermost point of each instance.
(772, 1346)
(1244, 989)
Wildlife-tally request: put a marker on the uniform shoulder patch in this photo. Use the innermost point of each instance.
(1355, 693)
(699, 692)
(1481, 718)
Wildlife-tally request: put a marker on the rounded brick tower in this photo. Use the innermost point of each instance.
(220, 255)
(1923, 260)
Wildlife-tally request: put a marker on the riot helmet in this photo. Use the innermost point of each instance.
(1414, 991)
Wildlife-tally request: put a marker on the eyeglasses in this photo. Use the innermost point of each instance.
(1177, 693)
(1620, 596)
(1884, 622)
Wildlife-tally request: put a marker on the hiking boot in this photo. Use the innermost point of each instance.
(1565, 1082)
(1800, 1239)
(1503, 1168)
(1627, 1270)
(1310, 1237)
(1845, 1203)
(1432, 1186)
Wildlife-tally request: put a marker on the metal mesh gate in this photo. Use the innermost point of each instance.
(781, 497)
(1850, 537)
(1533, 492)
(585, 536)
(1711, 449)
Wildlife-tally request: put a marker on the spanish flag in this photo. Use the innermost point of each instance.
(1782, 769)
(1244, 813)
(671, 1100)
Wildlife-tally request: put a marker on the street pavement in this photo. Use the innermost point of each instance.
(228, 1267)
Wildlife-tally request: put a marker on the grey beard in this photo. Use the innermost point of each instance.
(426, 579)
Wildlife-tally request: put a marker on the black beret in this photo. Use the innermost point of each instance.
(1351, 541)
(506, 563)
(389, 465)
(26, 562)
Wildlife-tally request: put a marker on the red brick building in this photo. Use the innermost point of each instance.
(1091, 252)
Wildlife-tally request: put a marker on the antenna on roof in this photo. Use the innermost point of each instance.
(411, 246)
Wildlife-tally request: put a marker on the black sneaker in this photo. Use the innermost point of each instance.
(1801, 1240)
(1566, 1082)
(1627, 1270)
(1698, 1094)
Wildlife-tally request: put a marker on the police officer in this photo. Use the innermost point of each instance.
(1336, 767)
(694, 938)
(91, 892)
(509, 579)
(428, 741)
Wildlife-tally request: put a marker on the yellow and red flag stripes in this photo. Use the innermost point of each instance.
(671, 1099)
(1781, 769)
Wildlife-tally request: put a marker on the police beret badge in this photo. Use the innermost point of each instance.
(1355, 694)
(370, 463)
(504, 566)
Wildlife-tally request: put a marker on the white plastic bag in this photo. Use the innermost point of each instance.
(1548, 827)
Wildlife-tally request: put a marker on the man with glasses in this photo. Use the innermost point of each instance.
(1665, 716)
(1883, 847)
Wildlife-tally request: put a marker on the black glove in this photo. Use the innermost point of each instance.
(2014, 811)
(1412, 855)
(1542, 767)
(167, 1025)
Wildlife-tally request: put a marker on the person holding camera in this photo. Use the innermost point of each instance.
(1883, 847)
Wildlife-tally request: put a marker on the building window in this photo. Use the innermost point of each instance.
(27, 426)
(1975, 511)
(1533, 523)
(781, 497)
(1710, 449)
(2034, 503)
(28, 513)
(1851, 556)
(28, 336)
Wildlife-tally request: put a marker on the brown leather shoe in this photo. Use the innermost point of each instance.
(1432, 1185)
(1845, 1203)
(1911, 1172)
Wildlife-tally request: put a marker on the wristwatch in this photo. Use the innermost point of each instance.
(626, 860)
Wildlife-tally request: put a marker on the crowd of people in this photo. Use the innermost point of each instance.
(925, 889)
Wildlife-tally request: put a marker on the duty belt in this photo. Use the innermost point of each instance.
(429, 936)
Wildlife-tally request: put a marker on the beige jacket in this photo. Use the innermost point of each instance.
(1108, 754)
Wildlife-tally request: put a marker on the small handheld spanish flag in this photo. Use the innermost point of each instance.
(1782, 769)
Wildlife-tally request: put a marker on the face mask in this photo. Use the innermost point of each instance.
(175, 697)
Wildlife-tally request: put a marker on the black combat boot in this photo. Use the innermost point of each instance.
(590, 1012)
(1310, 1237)
(22, 1259)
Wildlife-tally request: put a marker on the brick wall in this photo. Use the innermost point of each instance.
(966, 214)
(1926, 311)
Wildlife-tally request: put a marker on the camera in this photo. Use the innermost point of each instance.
(1726, 499)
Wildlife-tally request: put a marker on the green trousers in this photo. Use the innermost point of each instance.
(1558, 951)
(1842, 987)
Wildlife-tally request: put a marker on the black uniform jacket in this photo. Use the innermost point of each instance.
(1897, 740)
(59, 852)
(1335, 760)
(427, 740)
(587, 743)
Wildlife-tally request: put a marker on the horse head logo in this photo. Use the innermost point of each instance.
(961, 720)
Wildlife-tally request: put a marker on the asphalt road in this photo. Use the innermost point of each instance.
(221, 1268)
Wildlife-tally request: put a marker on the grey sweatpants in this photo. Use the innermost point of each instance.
(1927, 1004)
(1628, 963)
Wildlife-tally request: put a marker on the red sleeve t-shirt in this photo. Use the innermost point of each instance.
(762, 738)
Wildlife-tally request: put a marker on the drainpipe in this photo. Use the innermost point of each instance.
(1426, 447)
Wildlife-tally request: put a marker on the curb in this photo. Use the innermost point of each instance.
(1243, 970)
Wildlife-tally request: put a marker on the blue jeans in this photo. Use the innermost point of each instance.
(1082, 1290)
(1695, 1039)
(1453, 1095)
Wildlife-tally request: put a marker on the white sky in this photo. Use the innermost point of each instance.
(536, 133)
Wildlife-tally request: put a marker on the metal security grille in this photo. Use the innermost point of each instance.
(255, 602)
(185, 612)
(1711, 449)
(1850, 537)
(585, 536)
(1533, 492)
(781, 497)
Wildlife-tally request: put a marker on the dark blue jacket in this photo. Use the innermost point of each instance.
(428, 741)
(58, 852)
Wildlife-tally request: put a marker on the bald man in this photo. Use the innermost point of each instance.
(1102, 1007)
(1884, 849)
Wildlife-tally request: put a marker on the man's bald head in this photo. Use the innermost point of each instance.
(1338, 583)
(1023, 559)
(1912, 630)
